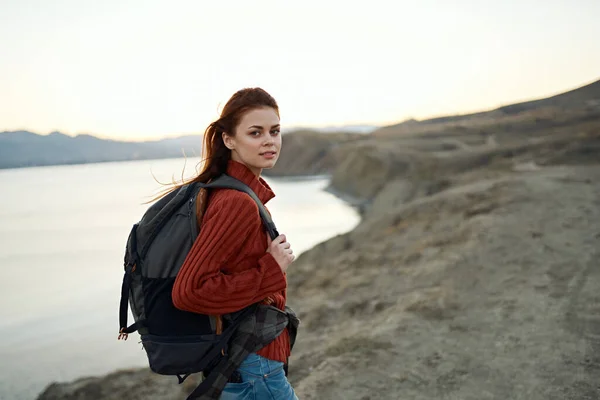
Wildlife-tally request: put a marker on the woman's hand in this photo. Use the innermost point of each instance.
(281, 251)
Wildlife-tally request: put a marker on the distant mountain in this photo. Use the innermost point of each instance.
(341, 129)
(27, 149)
(577, 101)
(588, 95)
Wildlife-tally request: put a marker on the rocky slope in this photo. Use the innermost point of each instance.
(311, 153)
(485, 290)
(474, 273)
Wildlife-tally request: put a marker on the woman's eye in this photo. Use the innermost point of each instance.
(255, 133)
(275, 132)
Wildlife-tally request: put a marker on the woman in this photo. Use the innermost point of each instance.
(233, 263)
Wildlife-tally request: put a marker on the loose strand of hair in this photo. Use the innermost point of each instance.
(205, 173)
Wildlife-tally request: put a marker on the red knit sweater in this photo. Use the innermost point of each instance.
(228, 268)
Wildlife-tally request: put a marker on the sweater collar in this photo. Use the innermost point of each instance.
(258, 185)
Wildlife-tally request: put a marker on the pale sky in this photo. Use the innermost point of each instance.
(139, 69)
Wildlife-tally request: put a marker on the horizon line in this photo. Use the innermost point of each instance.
(298, 127)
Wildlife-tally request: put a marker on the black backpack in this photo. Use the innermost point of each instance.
(176, 342)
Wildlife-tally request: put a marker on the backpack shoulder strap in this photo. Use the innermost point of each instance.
(227, 182)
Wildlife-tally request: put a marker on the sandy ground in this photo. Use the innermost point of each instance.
(485, 291)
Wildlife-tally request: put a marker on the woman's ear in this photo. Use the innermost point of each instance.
(228, 140)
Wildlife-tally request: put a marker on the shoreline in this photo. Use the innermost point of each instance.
(359, 205)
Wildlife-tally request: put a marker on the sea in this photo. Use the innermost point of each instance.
(62, 237)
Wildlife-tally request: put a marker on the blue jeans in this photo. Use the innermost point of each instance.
(262, 379)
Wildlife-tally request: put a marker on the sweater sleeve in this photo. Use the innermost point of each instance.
(202, 287)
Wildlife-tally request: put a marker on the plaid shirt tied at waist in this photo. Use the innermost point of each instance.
(255, 332)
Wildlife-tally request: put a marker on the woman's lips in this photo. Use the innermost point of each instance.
(268, 154)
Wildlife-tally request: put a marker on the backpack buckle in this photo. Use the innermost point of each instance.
(130, 268)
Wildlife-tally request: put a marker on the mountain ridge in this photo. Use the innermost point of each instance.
(583, 97)
(27, 149)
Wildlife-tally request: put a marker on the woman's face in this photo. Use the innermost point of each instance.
(257, 140)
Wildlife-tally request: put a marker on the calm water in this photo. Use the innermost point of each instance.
(62, 237)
